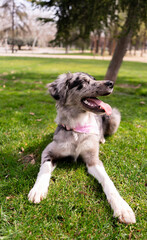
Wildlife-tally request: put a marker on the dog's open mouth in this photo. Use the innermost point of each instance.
(96, 105)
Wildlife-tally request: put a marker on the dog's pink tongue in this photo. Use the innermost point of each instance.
(105, 106)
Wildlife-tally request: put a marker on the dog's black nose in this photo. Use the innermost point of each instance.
(109, 84)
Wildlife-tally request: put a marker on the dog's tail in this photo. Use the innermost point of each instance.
(111, 123)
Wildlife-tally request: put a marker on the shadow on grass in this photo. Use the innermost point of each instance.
(17, 174)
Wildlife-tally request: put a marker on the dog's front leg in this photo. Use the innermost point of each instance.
(40, 189)
(121, 209)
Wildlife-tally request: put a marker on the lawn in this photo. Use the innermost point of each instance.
(76, 207)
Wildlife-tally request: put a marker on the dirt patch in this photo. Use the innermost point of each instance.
(125, 85)
(28, 159)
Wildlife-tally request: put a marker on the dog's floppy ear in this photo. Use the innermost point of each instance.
(59, 88)
(53, 90)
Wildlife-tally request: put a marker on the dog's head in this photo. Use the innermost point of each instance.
(81, 90)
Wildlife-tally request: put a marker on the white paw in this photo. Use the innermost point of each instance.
(102, 140)
(124, 213)
(37, 193)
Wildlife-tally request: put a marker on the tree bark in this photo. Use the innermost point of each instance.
(121, 46)
(117, 58)
(66, 49)
(13, 6)
(34, 42)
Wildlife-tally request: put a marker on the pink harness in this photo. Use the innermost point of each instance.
(91, 128)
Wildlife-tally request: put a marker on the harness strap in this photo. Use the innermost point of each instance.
(91, 128)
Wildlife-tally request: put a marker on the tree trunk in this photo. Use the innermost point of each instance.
(98, 42)
(104, 44)
(6, 43)
(110, 46)
(13, 8)
(34, 42)
(121, 46)
(94, 44)
(97, 46)
(117, 58)
(66, 49)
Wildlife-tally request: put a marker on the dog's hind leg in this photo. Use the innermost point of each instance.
(111, 123)
(40, 189)
(121, 209)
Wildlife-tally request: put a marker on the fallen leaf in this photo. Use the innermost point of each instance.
(31, 113)
(38, 120)
(9, 197)
(40, 82)
(138, 126)
(22, 149)
(83, 193)
(11, 208)
(32, 162)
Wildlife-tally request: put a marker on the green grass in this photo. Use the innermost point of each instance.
(76, 207)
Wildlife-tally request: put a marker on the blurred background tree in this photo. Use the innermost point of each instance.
(79, 19)
(19, 26)
(102, 26)
(16, 16)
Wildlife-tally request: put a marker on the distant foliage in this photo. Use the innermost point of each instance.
(20, 42)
